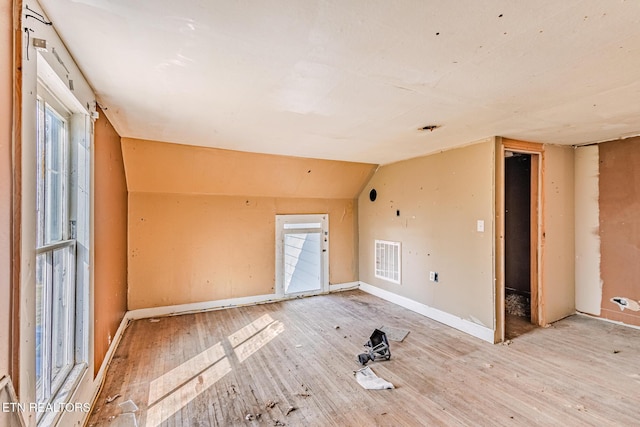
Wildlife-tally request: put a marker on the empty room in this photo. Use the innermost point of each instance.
(319, 213)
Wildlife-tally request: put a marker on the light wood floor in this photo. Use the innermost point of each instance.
(215, 368)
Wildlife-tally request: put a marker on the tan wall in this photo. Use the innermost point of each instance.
(558, 260)
(202, 221)
(620, 227)
(110, 234)
(193, 248)
(440, 198)
(6, 106)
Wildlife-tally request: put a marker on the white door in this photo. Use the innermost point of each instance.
(302, 254)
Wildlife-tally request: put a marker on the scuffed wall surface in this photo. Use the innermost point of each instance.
(110, 234)
(587, 229)
(6, 105)
(440, 198)
(620, 227)
(194, 248)
(558, 265)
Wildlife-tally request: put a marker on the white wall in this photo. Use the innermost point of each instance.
(587, 226)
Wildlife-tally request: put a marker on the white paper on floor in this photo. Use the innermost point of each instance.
(369, 380)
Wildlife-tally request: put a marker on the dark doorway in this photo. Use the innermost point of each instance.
(517, 243)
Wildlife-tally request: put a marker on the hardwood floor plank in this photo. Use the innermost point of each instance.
(292, 363)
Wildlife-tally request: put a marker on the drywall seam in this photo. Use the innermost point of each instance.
(171, 310)
(587, 234)
(455, 322)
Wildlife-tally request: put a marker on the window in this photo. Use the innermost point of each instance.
(387, 262)
(61, 293)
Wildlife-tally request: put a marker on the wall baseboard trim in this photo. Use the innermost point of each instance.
(603, 319)
(471, 328)
(98, 381)
(112, 348)
(172, 310)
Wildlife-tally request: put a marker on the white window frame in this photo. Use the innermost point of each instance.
(388, 261)
(73, 246)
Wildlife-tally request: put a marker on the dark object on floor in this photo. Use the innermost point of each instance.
(378, 348)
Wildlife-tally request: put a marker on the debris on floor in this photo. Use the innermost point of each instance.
(370, 381)
(270, 404)
(110, 399)
(290, 410)
(378, 348)
(249, 417)
(278, 423)
(394, 334)
(336, 327)
(507, 342)
(515, 304)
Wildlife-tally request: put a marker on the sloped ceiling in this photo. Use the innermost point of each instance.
(355, 80)
(156, 167)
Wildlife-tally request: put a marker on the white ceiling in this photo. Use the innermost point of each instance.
(354, 80)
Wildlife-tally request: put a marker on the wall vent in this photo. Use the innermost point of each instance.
(388, 264)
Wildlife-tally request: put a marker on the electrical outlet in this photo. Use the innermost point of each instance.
(433, 276)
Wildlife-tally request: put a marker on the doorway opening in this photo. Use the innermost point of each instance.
(519, 228)
(302, 250)
(517, 243)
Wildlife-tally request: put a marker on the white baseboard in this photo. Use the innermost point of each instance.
(615, 322)
(169, 310)
(98, 381)
(448, 319)
(112, 348)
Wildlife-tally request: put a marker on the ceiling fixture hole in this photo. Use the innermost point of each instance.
(430, 128)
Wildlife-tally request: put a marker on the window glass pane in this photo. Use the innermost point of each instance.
(41, 316)
(61, 316)
(40, 171)
(54, 180)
